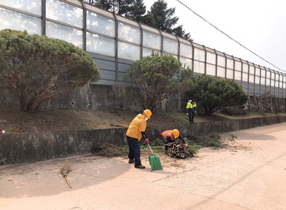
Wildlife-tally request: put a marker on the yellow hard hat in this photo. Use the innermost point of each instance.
(176, 133)
(147, 112)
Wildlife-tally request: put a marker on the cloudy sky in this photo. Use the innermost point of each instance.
(258, 25)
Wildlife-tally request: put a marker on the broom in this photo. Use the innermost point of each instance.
(65, 169)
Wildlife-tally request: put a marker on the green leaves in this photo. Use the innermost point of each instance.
(36, 68)
(215, 93)
(157, 77)
(162, 17)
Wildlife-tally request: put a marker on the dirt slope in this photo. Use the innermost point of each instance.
(11, 119)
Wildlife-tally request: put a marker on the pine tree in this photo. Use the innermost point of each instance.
(120, 7)
(161, 17)
(37, 68)
(157, 77)
(136, 11)
(215, 93)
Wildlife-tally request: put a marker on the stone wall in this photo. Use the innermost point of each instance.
(30, 147)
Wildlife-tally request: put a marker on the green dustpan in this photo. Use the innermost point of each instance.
(154, 161)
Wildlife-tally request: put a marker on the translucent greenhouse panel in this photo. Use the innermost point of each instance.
(273, 74)
(268, 74)
(107, 75)
(229, 63)
(65, 13)
(229, 73)
(31, 6)
(210, 70)
(128, 33)
(99, 44)
(237, 75)
(258, 72)
(147, 52)
(100, 24)
(220, 60)
(237, 65)
(245, 77)
(199, 67)
(186, 50)
(244, 68)
(257, 79)
(151, 40)
(186, 61)
(276, 84)
(251, 69)
(170, 46)
(221, 72)
(128, 51)
(211, 58)
(199, 54)
(17, 21)
(251, 89)
(71, 35)
(272, 82)
(127, 21)
(251, 78)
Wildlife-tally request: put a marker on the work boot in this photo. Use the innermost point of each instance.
(140, 166)
(131, 161)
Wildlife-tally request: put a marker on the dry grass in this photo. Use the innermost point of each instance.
(12, 119)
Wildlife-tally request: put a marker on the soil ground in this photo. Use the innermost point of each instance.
(249, 174)
(12, 119)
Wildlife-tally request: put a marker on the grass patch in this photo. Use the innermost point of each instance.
(194, 144)
(212, 140)
(109, 150)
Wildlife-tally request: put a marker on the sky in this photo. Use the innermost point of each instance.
(258, 25)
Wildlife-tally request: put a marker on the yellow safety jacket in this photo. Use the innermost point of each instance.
(137, 125)
(190, 105)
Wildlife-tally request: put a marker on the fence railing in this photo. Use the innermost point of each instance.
(115, 42)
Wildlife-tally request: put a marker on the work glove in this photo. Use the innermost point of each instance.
(146, 141)
(187, 113)
(186, 145)
(196, 112)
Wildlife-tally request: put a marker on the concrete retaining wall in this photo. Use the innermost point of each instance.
(29, 147)
(99, 97)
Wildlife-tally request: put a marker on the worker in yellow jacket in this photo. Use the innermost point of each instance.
(134, 134)
(191, 110)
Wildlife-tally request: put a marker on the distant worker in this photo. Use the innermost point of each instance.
(135, 132)
(191, 110)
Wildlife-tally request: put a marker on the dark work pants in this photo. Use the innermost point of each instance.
(134, 150)
(191, 113)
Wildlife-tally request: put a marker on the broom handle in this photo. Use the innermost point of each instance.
(150, 148)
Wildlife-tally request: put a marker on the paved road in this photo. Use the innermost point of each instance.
(249, 174)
